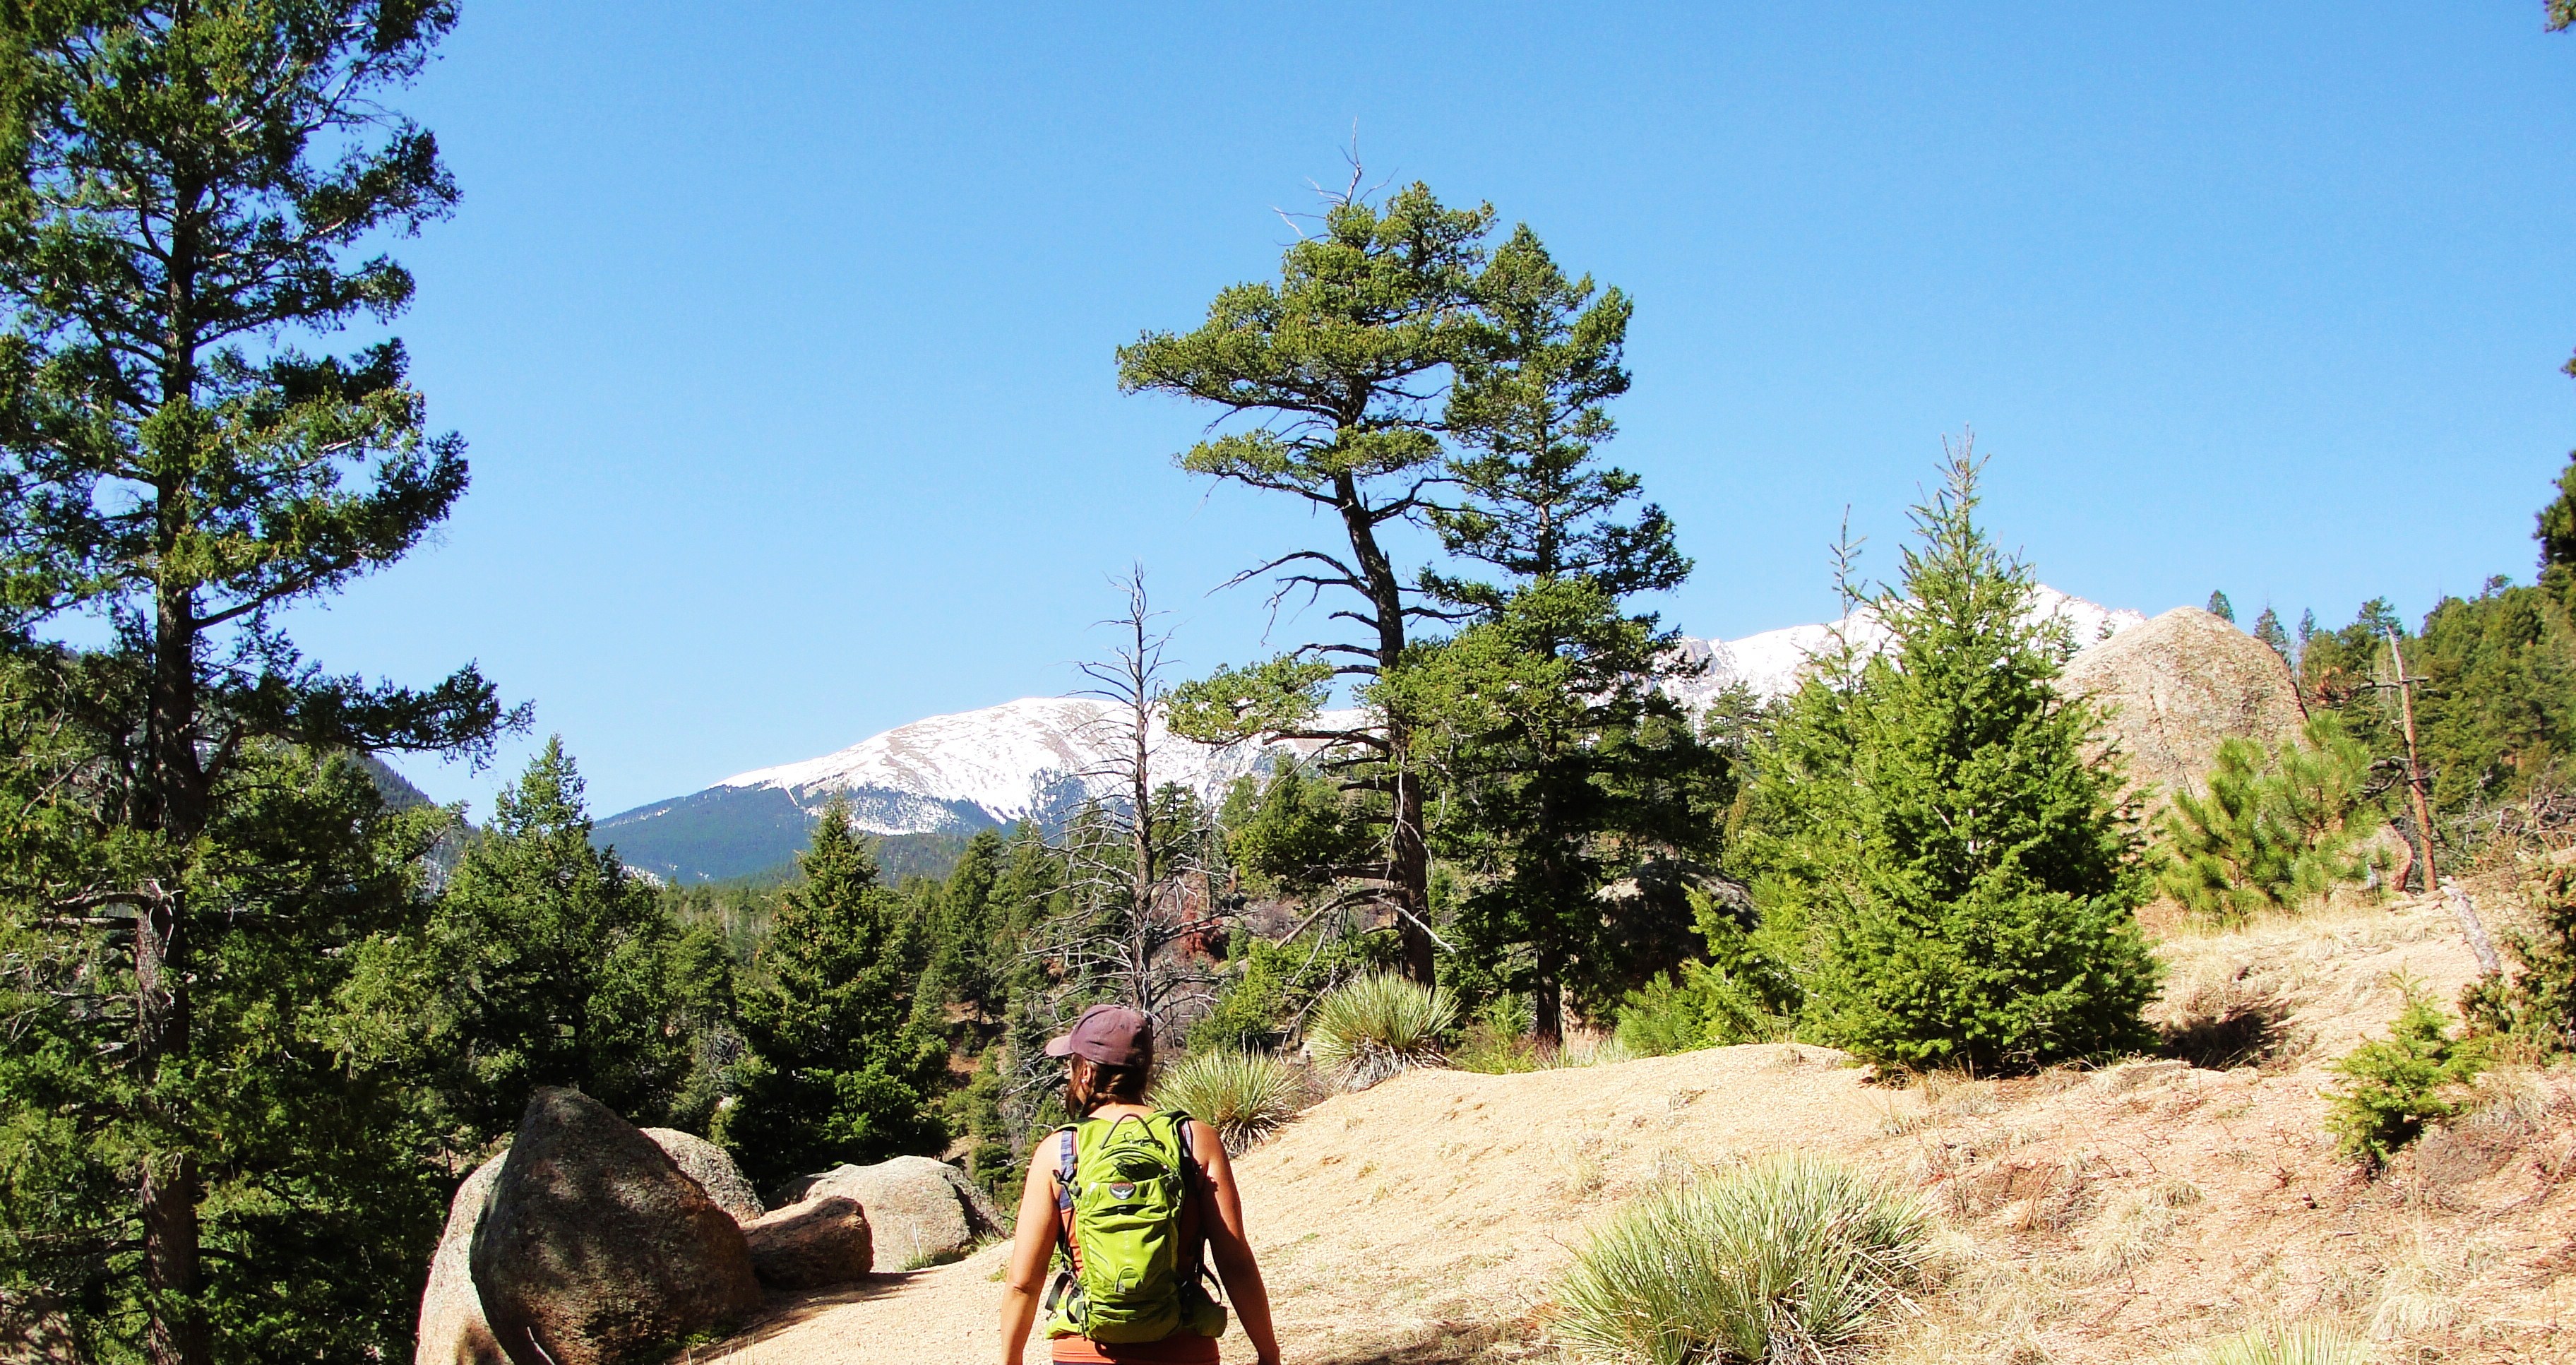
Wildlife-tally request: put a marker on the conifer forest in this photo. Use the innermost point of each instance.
(263, 1007)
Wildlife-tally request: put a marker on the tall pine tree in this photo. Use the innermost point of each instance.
(1563, 764)
(1957, 881)
(841, 1068)
(190, 190)
(1331, 368)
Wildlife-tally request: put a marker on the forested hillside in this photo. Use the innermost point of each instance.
(266, 1009)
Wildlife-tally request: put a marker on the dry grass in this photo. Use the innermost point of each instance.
(2152, 1211)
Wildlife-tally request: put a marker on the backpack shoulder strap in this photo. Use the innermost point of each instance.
(1065, 1165)
(1194, 1208)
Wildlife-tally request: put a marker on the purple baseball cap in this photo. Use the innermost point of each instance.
(1110, 1035)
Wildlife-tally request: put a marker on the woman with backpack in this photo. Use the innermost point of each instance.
(1141, 1200)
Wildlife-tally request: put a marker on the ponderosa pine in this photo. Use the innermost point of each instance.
(191, 188)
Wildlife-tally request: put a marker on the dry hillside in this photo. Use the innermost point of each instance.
(2114, 1216)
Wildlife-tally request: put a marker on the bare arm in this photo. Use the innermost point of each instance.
(1231, 1249)
(1032, 1244)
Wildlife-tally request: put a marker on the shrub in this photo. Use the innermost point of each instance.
(2274, 831)
(2536, 1008)
(2302, 1344)
(2394, 1087)
(1374, 1026)
(1245, 1096)
(1793, 1259)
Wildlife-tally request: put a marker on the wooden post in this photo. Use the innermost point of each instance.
(2417, 786)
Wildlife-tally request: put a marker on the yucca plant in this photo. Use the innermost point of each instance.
(1795, 1259)
(1244, 1096)
(2301, 1344)
(1374, 1026)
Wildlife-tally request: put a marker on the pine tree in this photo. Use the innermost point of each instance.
(2221, 608)
(193, 189)
(1562, 763)
(1957, 882)
(549, 963)
(2556, 531)
(842, 1069)
(2267, 628)
(319, 1195)
(967, 962)
(1331, 363)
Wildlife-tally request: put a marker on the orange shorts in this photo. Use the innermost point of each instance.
(1182, 1348)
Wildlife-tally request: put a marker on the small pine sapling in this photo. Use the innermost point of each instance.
(2535, 1008)
(2395, 1086)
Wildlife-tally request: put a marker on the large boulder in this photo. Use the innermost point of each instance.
(821, 1242)
(2175, 688)
(712, 1167)
(919, 1211)
(452, 1328)
(596, 1250)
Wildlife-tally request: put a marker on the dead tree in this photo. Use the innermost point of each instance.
(1146, 892)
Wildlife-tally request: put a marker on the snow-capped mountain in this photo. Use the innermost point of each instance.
(1039, 758)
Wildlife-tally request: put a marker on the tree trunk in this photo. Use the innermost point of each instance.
(1547, 1011)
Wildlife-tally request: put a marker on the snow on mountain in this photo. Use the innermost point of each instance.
(1028, 759)
(1771, 662)
(1039, 758)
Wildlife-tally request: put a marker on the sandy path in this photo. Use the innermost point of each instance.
(2118, 1216)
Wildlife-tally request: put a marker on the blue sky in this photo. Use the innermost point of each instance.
(782, 333)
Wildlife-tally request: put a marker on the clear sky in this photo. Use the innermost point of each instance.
(782, 333)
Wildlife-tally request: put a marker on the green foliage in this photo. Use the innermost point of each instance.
(1953, 881)
(1796, 1259)
(1293, 833)
(2393, 1087)
(2267, 628)
(1245, 1096)
(316, 1194)
(2535, 1008)
(547, 963)
(2556, 531)
(1375, 1026)
(193, 191)
(2274, 832)
(970, 955)
(2220, 607)
(1739, 994)
(2298, 1344)
(2496, 712)
(842, 1069)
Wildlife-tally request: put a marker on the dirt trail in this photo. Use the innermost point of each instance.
(2114, 1216)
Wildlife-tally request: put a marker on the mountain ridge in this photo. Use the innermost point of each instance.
(1039, 758)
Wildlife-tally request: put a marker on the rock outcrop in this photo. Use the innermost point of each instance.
(919, 1211)
(821, 1242)
(596, 1250)
(712, 1167)
(452, 1327)
(2175, 688)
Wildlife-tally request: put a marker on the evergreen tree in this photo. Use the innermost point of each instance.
(1331, 364)
(842, 1069)
(2221, 608)
(549, 963)
(2557, 522)
(190, 190)
(968, 965)
(2267, 628)
(1563, 763)
(1957, 881)
(317, 1198)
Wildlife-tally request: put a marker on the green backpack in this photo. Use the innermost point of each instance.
(1125, 1195)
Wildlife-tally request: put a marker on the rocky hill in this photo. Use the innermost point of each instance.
(1039, 758)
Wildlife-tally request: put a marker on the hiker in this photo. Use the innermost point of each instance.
(1149, 1193)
